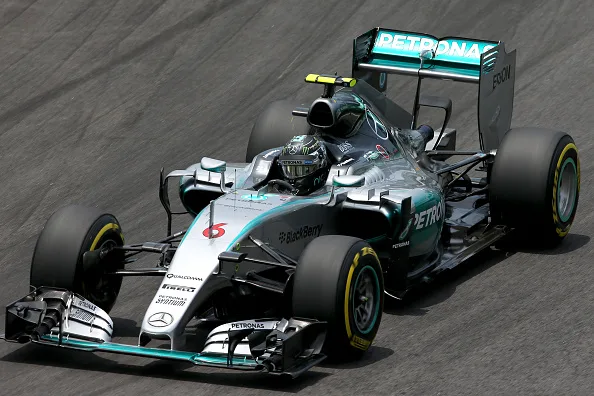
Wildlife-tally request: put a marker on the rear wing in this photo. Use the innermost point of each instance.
(380, 51)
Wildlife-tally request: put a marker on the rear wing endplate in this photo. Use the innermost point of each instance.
(380, 51)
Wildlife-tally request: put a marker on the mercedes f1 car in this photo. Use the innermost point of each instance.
(286, 279)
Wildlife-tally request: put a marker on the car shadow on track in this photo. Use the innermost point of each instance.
(572, 242)
(417, 300)
(441, 288)
(372, 356)
(176, 371)
(125, 327)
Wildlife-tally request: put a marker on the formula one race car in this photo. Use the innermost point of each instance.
(340, 203)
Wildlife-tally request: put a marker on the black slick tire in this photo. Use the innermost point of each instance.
(274, 127)
(58, 256)
(327, 286)
(535, 184)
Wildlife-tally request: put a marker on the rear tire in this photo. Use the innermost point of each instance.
(535, 183)
(339, 280)
(57, 259)
(275, 126)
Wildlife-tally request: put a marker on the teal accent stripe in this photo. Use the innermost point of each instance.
(192, 357)
(192, 224)
(454, 55)
(260, 218)
(256, 221)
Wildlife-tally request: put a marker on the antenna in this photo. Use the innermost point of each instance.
(328, 91)
(211, 219)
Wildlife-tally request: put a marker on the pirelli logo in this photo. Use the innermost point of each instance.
(179, 288)
(360, 343)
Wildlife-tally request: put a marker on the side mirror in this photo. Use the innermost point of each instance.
(348, 181)
(213, 165)
(216, 166)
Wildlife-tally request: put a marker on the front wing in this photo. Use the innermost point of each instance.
(60, 318)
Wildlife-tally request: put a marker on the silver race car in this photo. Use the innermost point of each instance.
(340, 203)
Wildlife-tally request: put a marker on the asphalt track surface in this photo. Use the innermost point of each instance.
(96, 96)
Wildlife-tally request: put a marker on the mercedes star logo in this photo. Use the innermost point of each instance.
(160, 319)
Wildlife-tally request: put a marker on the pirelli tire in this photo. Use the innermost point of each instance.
(535, 184)
(58, 256)
(339, 280)
(274, 127)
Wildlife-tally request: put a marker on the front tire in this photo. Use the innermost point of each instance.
(535, 183)
(58, 256)
(339, 280)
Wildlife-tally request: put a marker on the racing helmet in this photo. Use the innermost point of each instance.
(304, 163)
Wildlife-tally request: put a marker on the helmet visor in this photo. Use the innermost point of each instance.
(294, 168)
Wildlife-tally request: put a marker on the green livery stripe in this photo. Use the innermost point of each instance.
(456, 51)
(156, 353)
(192, 224)
(260, 219)
(401, 52)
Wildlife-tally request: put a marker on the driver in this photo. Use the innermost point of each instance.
(304, 164)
